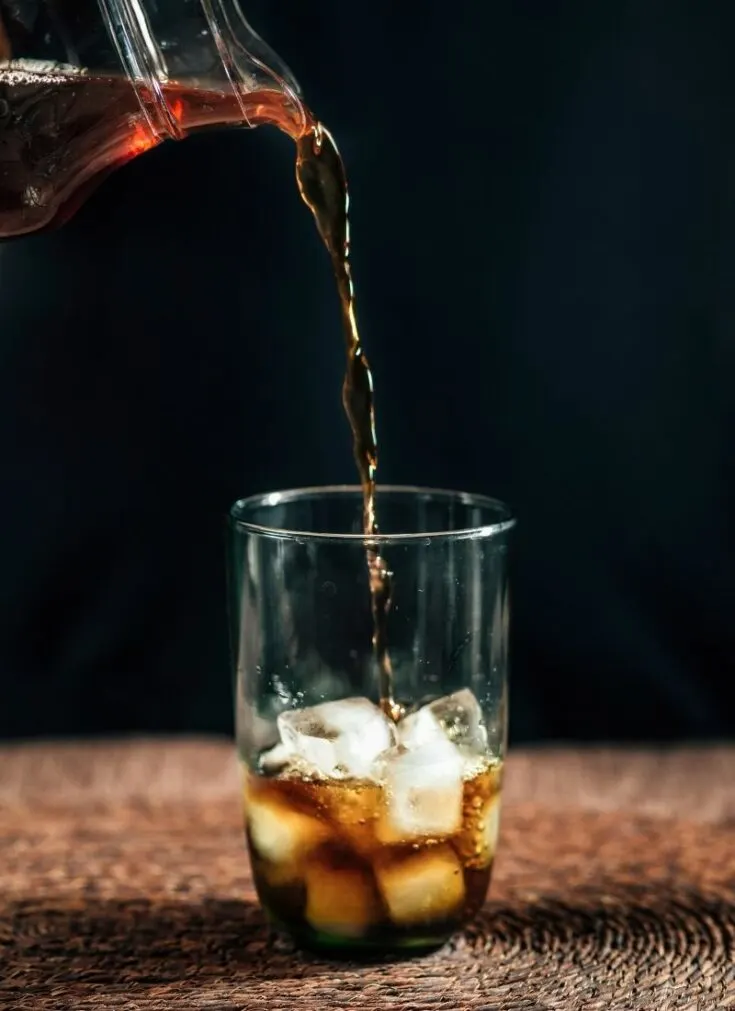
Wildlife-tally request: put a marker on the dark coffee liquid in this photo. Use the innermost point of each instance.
(347, 852)
(61, 133)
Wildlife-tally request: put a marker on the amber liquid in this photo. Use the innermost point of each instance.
(62, 133)
(334, 866)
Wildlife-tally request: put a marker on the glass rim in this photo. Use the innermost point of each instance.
(267, 499)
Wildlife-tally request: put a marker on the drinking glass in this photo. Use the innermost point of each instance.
(367, 832)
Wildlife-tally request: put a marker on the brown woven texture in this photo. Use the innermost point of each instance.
(123, 884)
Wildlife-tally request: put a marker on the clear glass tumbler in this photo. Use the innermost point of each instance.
(366, 832)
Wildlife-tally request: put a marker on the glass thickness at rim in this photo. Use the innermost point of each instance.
(499, 517)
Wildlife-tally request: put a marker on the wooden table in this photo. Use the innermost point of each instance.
(124, 884)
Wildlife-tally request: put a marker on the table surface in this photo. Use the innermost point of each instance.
(123, 884)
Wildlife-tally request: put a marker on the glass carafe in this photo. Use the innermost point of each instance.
(86, 85)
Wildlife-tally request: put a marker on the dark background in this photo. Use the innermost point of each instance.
(544, 244)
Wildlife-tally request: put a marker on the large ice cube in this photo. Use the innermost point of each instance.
(282, 836)
(341, 899)
(339, 740)
(422, 887)
(491, 825)
(456, 717)
(423, 792)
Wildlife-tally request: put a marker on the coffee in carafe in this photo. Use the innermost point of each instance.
(82, 94)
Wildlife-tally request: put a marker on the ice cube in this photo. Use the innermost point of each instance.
(275, 760)
(423, 792)
(282, 836)
(339, 740)
(341, 899)
(422, 887)
(456, 717)
(491, 825)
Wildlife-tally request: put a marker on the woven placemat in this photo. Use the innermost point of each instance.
(123, 884)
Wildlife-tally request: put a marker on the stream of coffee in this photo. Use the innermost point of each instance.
(322, 182)
(61, 133)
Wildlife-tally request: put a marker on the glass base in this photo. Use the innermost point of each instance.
(365, 948)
